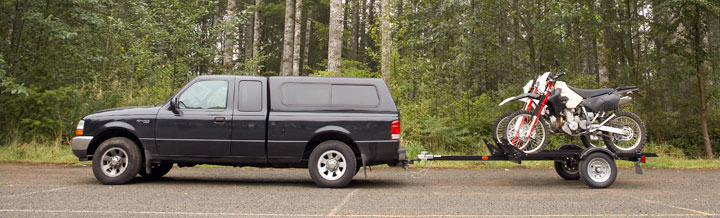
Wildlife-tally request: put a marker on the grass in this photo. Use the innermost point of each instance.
(59, 152)
(36, 152)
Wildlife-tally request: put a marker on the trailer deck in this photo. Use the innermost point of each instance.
(595, 165)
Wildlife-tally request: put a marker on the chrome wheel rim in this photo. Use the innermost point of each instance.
(599, 170)
(114, 162)
(527, 141)
(332, 165)
(632, 137)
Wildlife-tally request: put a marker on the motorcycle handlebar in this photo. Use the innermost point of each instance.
(557, 76)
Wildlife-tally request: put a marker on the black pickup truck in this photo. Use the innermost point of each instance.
(332, 126)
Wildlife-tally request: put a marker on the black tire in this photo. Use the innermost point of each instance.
(540, 127)
(611, 142)
(567, 168)
(118, 152)
(334, 175)
(158, 170)
(598, 177)
(587, 142)
(500, 125)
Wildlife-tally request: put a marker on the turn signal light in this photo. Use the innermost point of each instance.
(395, 130)
(80, 128)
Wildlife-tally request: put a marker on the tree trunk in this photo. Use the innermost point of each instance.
(248, 33)
(256, 38)
(385, 39)
(355, 30)
(602, 63)
(335, 37)
(699, 62)
(308, 28)
(287, 55)
(297, 40)
(229, 41)
(16, 36)
(369, 41)
(211, 38)
(703, 112)
(362, 42)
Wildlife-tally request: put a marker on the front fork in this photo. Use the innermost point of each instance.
(535, 119)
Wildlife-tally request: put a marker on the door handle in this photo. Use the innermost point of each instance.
(219, 119)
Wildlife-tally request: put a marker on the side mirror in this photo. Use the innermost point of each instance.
(174, 105)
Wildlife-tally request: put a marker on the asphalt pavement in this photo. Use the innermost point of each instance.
(71, 191)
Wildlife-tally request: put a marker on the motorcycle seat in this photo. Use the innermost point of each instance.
(589, 93)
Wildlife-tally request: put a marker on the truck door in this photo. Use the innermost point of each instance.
(203, 124)
(249, 120)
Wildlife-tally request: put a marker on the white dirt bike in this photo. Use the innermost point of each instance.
(590, 114)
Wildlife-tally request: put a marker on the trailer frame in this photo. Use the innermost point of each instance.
(595, 165)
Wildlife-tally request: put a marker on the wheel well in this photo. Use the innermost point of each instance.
(110, 133)
(320, 138)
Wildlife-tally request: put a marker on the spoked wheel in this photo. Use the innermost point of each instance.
(332, 164)
(598, 170)
(590, 141)
(500, 126)
(634, 137)
(567, 167)
(521, 132)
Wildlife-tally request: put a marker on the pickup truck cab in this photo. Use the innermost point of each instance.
(332, 126)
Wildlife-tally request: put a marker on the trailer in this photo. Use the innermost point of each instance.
(595, 165)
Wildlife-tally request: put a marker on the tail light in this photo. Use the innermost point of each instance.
(395, 130)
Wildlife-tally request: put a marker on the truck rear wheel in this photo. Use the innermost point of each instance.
(332, 164)
(116, 161)
(158, 170)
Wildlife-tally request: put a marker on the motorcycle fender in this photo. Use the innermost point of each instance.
(519, 97)
(611, 129)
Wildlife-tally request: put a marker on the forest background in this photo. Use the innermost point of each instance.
(448, 62)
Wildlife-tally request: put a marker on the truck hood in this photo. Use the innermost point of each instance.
(147, 110)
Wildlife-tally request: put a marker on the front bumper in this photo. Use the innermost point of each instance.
(80, 145)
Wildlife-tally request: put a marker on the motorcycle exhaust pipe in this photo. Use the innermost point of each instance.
(624, 100)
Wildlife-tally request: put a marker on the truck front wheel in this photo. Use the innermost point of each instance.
(332, 164)
(116, 161)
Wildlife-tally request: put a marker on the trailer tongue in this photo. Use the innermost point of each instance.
(595, 165)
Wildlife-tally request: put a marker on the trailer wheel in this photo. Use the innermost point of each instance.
(598, 170)
(567, 168)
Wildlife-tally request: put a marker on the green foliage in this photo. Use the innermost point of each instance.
(452, 61)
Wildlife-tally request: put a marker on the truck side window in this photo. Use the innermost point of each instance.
(329, 95)
(205, 95)
(250, 96)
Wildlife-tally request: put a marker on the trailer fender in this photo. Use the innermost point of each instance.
(589, 151)
(570, 147)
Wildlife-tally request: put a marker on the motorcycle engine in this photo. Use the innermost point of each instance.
(573, 123)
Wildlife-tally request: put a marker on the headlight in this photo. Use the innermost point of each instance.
(80, 127)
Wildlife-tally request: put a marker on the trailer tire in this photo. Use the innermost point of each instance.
(567, 167)
(598, 170)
